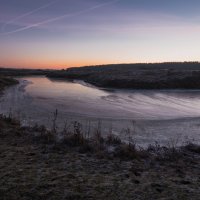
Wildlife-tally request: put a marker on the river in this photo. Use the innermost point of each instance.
(166, 116)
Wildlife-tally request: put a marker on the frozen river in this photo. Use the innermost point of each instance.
(157, 115)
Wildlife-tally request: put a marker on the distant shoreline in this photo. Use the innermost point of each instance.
(150, 76)
(136, 76)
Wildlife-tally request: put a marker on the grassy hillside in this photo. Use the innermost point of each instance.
(137, 76)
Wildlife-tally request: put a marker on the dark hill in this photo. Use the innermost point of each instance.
(137, 76)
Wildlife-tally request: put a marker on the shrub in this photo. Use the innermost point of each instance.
(113, 140)
(193, 148)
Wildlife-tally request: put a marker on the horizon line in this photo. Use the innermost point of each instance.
(95, 65)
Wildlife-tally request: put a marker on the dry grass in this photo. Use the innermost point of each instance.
(41, 164)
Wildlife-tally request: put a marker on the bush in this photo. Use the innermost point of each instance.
(113, 140)
(125, 151)
(193, 148)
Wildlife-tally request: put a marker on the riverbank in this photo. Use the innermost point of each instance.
(39, 164)
(137, 76)
(6, 82)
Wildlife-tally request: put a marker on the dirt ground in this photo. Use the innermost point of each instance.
(30, 169)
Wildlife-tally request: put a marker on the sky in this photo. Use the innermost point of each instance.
(70, 33)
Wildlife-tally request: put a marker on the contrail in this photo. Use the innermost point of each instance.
(28, 14)
(61, 17)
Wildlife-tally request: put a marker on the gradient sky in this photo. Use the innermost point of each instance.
(67, 33)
